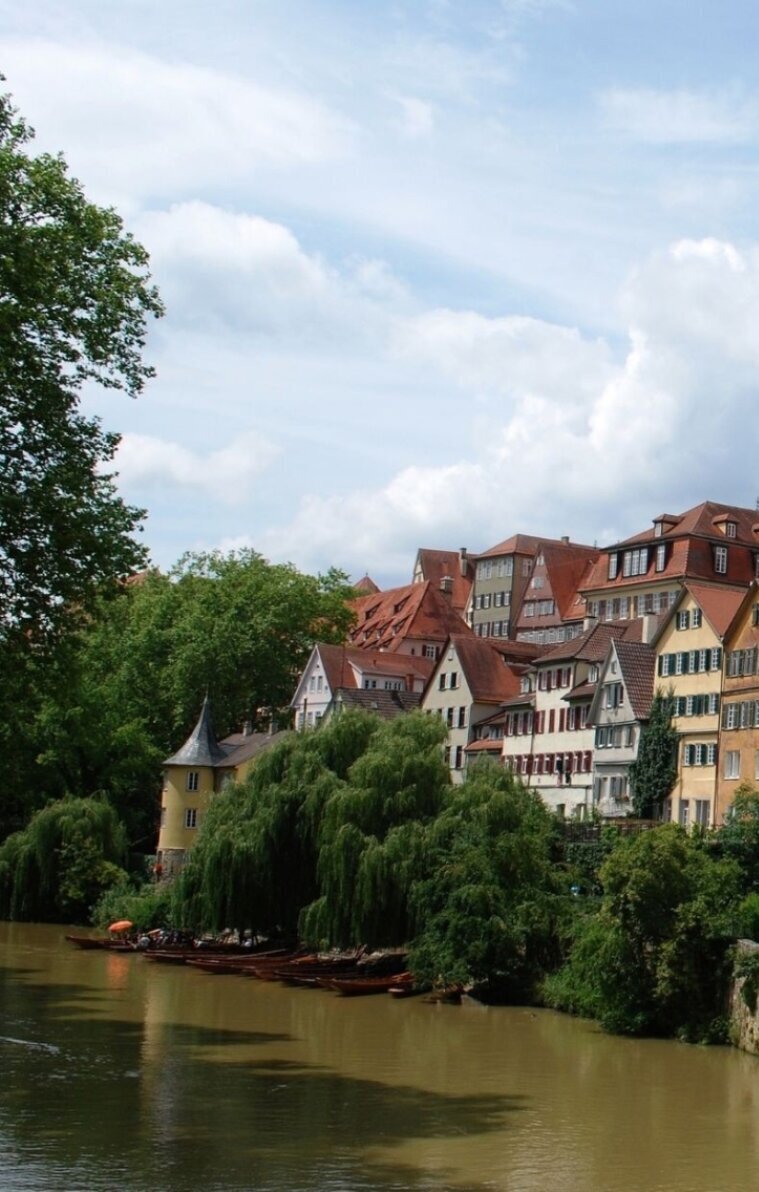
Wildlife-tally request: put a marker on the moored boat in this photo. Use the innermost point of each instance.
(362, 986)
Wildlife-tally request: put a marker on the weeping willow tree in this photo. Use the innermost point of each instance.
(487, 908)
(62, 862)
(371, 843)
(255, 862)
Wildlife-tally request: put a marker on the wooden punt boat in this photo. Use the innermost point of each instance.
(362, 986)
(92, 942)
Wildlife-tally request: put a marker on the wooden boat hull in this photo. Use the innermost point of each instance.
(364, 986)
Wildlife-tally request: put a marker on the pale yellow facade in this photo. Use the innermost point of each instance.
(186, 795)
(689, 664)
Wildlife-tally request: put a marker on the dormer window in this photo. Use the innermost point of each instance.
(720, 560)
(731, 529)
(661, 556)
(613, 565)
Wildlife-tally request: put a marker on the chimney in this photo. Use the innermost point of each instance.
(446, 585)
(588, 623)
(463, 561)
(647, 627)
(565, 539)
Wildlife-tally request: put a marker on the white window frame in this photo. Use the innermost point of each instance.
(732, 764)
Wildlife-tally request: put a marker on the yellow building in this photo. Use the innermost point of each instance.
(739, 726)
(192, 775)
(689, 649)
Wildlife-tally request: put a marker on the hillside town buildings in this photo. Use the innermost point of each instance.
(544, 655)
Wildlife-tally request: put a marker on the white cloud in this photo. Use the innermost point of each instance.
(226, 475)
(133, 125)
(239, 272)
(592, 442)
(673, 117)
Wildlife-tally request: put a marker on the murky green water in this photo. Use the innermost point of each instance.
(118, 1074)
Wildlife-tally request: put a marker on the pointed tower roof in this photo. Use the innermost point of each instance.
(201, 747)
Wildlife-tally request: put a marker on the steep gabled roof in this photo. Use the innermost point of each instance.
(417, 611)
(437, 565)
(718, 603)
(566, 567)
(201, 747)
(489, 677)
(637, 667)
(366, 586)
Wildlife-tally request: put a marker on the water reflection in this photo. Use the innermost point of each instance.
(136, 1076)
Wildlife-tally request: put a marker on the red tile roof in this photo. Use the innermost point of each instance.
(592, 645)
(527, 544)
(691, 537)
(416, 612)
(436, 565)
(637, 664)
(339, 672)
(718, 603)
(489, 745)
(489, 677)
(366, 586)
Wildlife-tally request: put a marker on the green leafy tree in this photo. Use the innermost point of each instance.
(654, 959)
(372, 838)
(57, 867)
(654, 772)
(738, 836)
(255, 862)
(75, 301)
(487, 910)
(123, 691)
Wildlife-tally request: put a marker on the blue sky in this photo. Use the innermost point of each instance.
(435, 272)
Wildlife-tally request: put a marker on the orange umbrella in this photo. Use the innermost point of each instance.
(121, 925)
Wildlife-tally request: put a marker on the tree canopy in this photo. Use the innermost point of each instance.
(75, 298)
(124, 690)
(654, 771)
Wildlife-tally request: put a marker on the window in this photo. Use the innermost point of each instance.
(701, 812)
(430, 651)
(613, 565)
(732, 763)
(720, 560)
(449, 717)
(459, 757)
(441, 681)
(696, 618)
(462, 718)
(635, 562)
(538, 581)
(684, 812)
(683, 620)
(498, 599)
(731, 529)
(193, 777)
(190, 817)
(661, 556)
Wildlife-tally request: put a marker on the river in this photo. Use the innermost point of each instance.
(117, 1074)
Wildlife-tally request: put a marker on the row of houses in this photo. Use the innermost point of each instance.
(544, 654)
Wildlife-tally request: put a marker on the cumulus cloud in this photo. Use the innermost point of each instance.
(240, 271)
(595, 441)
(673, 117)
(226, 475)
(157, 127)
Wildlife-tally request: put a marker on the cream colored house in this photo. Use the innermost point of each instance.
(689, 651)
(470, 681)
